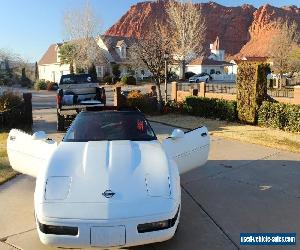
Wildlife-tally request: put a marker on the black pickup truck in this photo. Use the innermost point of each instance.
(75, 93)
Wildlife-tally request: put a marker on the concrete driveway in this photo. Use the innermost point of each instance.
(242, 188)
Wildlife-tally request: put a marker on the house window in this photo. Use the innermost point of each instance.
(100, 71)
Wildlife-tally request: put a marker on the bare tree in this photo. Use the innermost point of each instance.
(81, 28)
(294, 59)
(188, 31)
(150, 52)
(283, 42)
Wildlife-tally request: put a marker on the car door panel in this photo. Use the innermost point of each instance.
(190, 151)
(27, 155)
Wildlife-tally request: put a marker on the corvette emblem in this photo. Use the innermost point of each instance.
(108, 194)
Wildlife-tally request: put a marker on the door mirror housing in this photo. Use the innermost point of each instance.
(39, 136)
(177, 133)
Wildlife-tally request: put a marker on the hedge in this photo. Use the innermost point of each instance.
(212, 108)
(40, 85)
(144, 103)
(128, 80)
(251, 90)
(280, 116)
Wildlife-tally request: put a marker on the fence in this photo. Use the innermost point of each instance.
(221, 88)
(18, 117)
(228, 92)
(224, 77)
(286, 93)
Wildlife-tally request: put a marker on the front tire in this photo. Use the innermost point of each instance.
(60, 122)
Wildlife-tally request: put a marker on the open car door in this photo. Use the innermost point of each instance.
(29, 153)
(189, 150)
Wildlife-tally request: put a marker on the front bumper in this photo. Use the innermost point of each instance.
(125, 234)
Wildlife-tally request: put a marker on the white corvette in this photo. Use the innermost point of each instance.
(110, 182)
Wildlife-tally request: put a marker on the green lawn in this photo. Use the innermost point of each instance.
(6, 172)
(252, 134)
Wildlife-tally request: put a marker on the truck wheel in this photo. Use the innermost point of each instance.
(60, 122)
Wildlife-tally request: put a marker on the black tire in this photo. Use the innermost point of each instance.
(60, 122)
(197, 81)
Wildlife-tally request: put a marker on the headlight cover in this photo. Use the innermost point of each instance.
(57, 188)
(158, 225)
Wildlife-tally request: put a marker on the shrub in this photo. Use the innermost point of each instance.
(189, 74)
(25, 81)
(212, 108)
(107, 79)
(9, 100)
(50, 85)
(251, 90)
(176, 107)
(40, 85)
(93, 72)
(129, 80)
(143, 102)
(116, 71)
(280, 116)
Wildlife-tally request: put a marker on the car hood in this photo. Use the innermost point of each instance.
(80, 172)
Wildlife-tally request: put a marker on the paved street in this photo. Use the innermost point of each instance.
(242, 188)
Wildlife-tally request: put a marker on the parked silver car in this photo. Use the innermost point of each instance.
(203, 77)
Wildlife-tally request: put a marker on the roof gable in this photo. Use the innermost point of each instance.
(50, 56)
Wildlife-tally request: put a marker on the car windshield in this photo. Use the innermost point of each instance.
(75, 79)
(109, 126)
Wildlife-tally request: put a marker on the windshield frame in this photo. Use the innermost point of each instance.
(153, 138)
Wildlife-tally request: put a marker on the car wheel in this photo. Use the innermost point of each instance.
(206, 80)
(197, 81)
(60, 122)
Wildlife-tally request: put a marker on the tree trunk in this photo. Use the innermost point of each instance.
(71, 68)
(280, 80)
(182, 65)
(160, 100)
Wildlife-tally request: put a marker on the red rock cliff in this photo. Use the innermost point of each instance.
(264, 26)
(242, 29)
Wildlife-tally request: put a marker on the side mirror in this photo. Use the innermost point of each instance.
(177, 133)
(40, 135)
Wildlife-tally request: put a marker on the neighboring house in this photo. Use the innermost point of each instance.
(213, 64)
(50, 68)
(235, 62)
(114, 50)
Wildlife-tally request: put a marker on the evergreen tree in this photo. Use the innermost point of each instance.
(93, 72)
(36, 72)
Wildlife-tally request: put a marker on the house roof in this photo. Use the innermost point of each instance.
(209, 62)
(51, 55)
(250, 59)
(256, 58)
(112, 42)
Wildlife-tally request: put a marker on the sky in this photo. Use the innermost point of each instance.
(29, 27)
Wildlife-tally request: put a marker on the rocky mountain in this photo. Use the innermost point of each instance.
(242, 30)
(264, 26)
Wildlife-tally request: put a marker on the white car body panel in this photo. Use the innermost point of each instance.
(197, 78)
(27, 155)
(73, 177)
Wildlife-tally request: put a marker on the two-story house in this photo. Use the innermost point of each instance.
(212, 64)
(114, 50)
